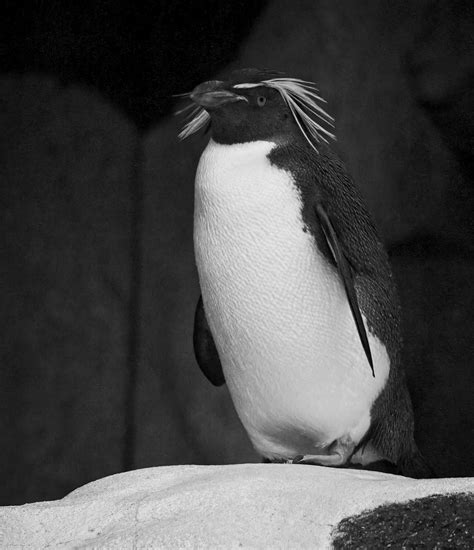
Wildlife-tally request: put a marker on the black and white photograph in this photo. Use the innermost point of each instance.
(237, 274)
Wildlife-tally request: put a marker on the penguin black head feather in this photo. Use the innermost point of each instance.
(258, 104)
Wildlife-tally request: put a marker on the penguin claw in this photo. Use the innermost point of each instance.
(322, 460)
(335, 459)
(338, 454)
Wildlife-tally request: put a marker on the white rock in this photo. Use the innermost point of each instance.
(246, 505)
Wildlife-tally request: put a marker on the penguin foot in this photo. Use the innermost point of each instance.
(320, 460)
(339, 454)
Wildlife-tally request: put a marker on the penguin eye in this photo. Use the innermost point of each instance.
(261, 100)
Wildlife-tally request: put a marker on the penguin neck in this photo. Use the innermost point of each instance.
(245, 153)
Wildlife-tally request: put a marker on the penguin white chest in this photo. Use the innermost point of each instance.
(289, 348)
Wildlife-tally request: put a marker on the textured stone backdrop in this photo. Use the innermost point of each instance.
(66, 176)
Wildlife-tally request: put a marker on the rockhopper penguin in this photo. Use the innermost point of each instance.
(299, 312)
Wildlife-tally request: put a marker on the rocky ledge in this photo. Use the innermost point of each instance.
(249, 505)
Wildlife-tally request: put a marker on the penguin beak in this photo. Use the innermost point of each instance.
(211, 95)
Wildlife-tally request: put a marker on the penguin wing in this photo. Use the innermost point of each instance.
(205, 348)
(344, 269)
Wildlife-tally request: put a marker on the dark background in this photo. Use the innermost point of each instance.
(98, 280)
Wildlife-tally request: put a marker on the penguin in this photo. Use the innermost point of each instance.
(298, 313)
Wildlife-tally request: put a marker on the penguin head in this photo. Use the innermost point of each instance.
(258, 104)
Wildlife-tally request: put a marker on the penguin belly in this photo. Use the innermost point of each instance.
(288, 344)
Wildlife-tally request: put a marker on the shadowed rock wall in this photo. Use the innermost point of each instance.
(66, 177)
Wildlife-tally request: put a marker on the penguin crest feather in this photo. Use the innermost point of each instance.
(300, 96)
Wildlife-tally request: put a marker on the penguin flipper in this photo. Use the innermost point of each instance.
(205, 348)
(347, 279)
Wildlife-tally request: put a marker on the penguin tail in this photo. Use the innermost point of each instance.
(415, 465)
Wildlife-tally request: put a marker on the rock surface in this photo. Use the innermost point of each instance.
(246, 505)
